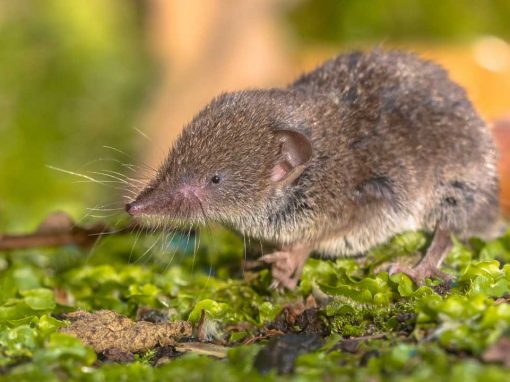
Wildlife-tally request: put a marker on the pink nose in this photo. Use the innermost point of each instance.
(134, 208)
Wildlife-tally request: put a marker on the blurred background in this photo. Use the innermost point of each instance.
(105, 86)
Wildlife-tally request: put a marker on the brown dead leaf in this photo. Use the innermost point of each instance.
(498, 352)
(201, 332)
(56, 222)
(164, 354)
(105, 330)
(63, 297)
(310, 302)
(300, 317)
(267, 333)
(202, 348)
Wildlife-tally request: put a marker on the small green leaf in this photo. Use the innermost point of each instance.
(39, 299)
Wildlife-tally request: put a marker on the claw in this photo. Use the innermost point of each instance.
(428, 267)
(420, 272)
(286, 266)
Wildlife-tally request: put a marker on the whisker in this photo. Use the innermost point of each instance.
(146, 252)
(147, 167)
(200, 294)
(115, 149)
(142, 134)
(187, 241)
(105, 183)
(74, 173)
(125, 176)
(101, 216)
(110, 176)
(164, 234)
(104, 209)
(139, 231)
(174, 252)
(195, 250)
(132, 192)
(130, 166)
(244, 250)
(113, 232)
(160, 148)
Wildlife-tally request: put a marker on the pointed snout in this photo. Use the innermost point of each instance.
(157, 201)
(145, 203)
(134, 208)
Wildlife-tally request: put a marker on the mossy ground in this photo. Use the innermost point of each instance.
(401, 332)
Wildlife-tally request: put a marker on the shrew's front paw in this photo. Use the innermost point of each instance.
(287, 265)
(285, 269)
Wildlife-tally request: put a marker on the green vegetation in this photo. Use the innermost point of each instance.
(381, 21)
(72, 75)
(404, 332)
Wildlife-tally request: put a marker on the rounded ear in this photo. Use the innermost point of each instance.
(295, 152)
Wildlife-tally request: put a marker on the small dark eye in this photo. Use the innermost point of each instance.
(215, 179)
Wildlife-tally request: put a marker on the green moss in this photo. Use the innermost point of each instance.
(405, 332)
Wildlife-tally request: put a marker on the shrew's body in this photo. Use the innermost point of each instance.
(366, 146)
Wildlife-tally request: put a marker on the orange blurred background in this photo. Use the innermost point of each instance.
(80, 80)
(203, 48)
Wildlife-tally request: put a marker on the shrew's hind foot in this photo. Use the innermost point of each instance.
(287, 266)
(420, 272)
(428, 267)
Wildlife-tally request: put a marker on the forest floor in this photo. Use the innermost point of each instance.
(190, 311)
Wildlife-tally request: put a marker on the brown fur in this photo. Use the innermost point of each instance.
(396, 146)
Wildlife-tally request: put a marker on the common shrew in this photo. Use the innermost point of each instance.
(364, 147)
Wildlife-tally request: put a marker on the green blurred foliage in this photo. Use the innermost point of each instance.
(72, 75)
(399, 20)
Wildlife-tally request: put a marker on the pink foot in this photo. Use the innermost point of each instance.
(428, 267)
(286, 266)
(420, 272)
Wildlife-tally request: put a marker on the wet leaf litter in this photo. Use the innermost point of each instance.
(347, 319)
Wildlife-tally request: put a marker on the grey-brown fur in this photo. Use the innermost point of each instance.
(396, 146)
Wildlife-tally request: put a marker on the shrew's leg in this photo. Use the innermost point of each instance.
(287, 265)
(429, 265)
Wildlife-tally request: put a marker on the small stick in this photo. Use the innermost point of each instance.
(65, 232)
(82, 237)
